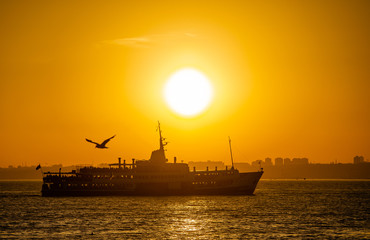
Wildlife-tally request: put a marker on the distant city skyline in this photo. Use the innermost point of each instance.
(256, 163)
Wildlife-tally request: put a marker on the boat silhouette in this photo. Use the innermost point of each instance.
(155, 176)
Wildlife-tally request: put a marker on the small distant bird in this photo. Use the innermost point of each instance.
(101, 145)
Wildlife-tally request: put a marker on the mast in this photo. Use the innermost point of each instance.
(161, 144)
(231, 154)
(158, 156)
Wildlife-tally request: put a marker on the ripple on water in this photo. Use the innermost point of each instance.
(280, 209)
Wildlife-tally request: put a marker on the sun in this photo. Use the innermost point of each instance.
(188, 92)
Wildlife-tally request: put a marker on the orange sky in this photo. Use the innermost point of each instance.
(291, 79)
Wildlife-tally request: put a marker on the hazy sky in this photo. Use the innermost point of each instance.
(291, 79)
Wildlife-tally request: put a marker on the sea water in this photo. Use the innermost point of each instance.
(278, 210)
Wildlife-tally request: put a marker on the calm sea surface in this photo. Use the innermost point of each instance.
(279, 209)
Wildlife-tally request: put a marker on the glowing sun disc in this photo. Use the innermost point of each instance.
(188, 92)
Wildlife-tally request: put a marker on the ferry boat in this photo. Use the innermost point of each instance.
(155, 176)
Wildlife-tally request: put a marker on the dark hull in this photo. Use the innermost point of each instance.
(244, 184)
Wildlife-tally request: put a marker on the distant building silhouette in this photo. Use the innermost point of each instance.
(358, 159)
(279, 161)
(268, 162)
(243, 165)
(299, 161)
(257, 163)
(286, 161)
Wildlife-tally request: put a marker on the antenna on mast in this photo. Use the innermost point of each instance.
(160, 136)
(161, 143)
(158, 156)
(231, 154)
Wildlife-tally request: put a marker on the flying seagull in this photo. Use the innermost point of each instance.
(101, 145)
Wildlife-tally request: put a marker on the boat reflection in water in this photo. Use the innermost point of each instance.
(149, 177)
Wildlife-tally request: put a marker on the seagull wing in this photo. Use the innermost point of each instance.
(107, 140)
(88, 140)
